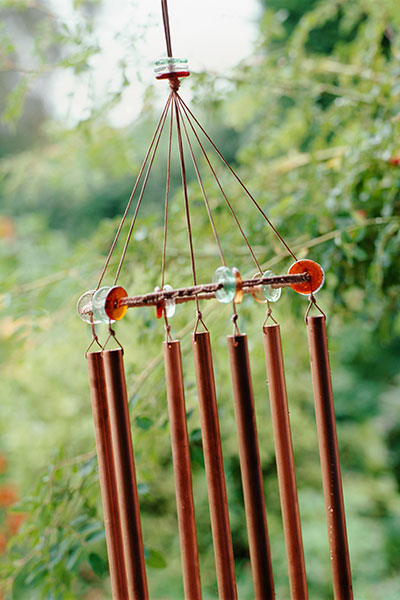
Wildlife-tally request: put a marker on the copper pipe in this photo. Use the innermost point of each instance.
(250, 466)
(108, 487)
(182, 471)
(217, 497)
(125, 474)
(329, 455)
(285, 462)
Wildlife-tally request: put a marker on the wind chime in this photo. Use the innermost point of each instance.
(108, 304)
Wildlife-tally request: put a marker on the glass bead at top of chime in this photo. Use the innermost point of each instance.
(238, 297)
(85, 307)
(99, 305)
(112, 306)
(271, 294)
(165, 67)
(316, 272)
(225, 276)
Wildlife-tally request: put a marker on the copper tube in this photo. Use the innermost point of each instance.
(182, 471)
(211, 437)
(285, 462)
(108, 487)
(250, 466)
(125, 474)
(329, 455)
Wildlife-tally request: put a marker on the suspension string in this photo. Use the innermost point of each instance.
(95, 340)
(185, 195)
(220, 187)
(235, 317)
(249, 195)
(167, 31)
(111, 334)
(313, 302)
(146, 177)
(164, 253)
(103, 272)
(202, 189)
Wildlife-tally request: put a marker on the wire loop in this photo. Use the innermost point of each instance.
(313, 302)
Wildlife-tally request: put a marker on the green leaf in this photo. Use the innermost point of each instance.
(155, 559)
(98, 565)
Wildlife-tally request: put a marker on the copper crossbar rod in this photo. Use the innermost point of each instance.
(250, 467)
(285, 462)
(125, 474)
(207, 290)
(329, 455)
(212, 449)
(119, 586)
(182, 471)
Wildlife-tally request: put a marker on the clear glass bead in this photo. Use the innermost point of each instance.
(99, 305)
(271, 294)
(170, 65)
(170, 306)
(225, 276)
(85, 308)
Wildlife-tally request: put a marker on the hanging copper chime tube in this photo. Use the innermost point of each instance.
(329, 455)
(108, 487)
(211, 438)
(285, 462)
(125, 474)
(182, 470)
(250, 467)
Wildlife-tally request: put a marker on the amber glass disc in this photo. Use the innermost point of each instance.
(112, 306)
(315, 271)
(238, 287)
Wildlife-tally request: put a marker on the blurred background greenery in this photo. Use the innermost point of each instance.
(311, 121)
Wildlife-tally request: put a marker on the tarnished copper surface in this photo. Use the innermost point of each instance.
(285, 462)
(108, 486)
(329, 455)
(217, 497)
(182, 470)
(125, 474)
(250, 468)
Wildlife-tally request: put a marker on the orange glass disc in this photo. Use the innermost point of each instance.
(315, 271)
(159, 310)
(112, 307)
(238, 287)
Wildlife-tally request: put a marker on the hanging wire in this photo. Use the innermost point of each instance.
(313, 302)
(202, 189)
(220, 186)
(167, 31)
(103, 272)
(186, 108)
(128, 237)
(95, 340)
(185, 195)
(235, 318)
(167, 199)
(111, 334)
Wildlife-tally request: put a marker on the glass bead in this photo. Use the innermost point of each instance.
(168, 66)
(169, 304)
(99, 305)
(225, 276)
(257, 292)
(85, 307)
(271, 294)
(113, 309)
(316, 272)
(238, 297)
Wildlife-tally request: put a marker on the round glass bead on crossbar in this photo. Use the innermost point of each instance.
(266, 292)
(85, 308)
(168, 305)
(232, 287)
(316, 272)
